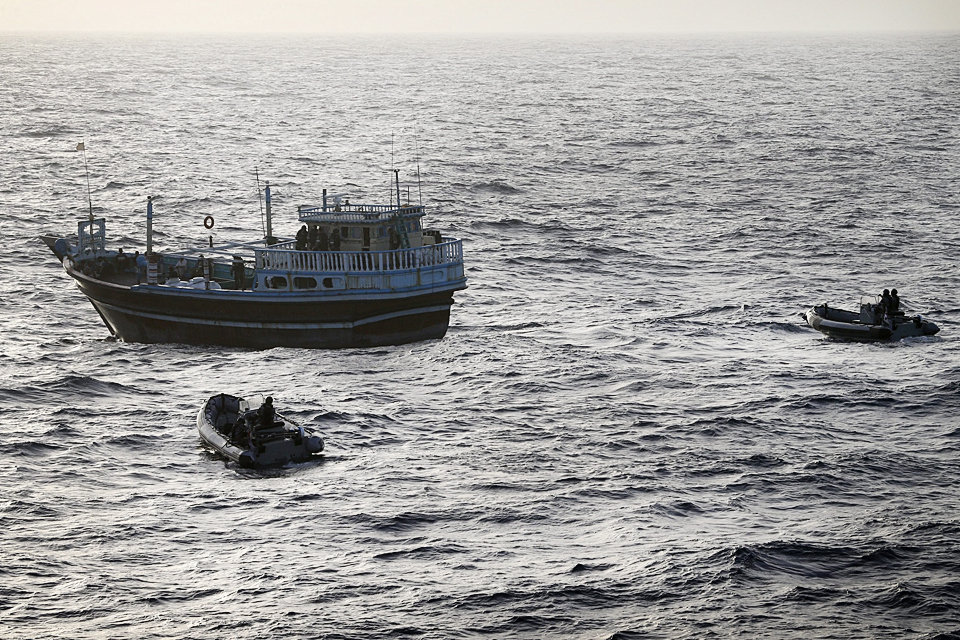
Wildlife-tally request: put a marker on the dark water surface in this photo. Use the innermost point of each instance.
(627, 432)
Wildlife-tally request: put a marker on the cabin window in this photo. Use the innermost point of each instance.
(328, 283)
(275, 282)
(381, 232)
(304, 283)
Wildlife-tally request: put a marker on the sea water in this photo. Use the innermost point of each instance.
(628, 431)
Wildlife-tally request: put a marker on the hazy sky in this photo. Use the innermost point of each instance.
(479, 16)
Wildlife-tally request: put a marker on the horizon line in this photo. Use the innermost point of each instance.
(689, 32)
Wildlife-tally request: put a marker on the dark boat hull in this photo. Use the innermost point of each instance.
(156, 314)
(840, 324)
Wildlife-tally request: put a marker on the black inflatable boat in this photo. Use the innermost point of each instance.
(870, 324)
(236, 429)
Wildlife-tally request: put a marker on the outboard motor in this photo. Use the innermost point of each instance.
(313, 444)
(930, 329)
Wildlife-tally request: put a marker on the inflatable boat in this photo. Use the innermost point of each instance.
(871, 324)
(242, 431)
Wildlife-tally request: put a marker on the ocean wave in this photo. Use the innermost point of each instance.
(61, 389)
(496, 186)
(793, 558)
(54, 132)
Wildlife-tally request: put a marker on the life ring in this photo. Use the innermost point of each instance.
(208, 222)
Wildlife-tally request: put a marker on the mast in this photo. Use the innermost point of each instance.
(256, 171)
(270, 239)
(82, 147)
(417, 143)
(398, 222)
(396, 173)
(149, 225)
(153, 260)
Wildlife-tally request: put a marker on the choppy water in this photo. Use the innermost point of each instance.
(627, 432)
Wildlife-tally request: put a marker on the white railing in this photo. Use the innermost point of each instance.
(289, 245)
(283, 259)
(357, 212)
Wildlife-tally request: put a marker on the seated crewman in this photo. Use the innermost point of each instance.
(267, 414)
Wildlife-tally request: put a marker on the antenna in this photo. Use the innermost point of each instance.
(416, 146)
(392, 169)
(256, 171)
(396, 172)
(82, 147)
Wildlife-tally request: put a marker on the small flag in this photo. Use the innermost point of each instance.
(79, 146)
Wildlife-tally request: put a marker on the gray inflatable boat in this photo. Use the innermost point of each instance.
(232, 427)
(869, 325)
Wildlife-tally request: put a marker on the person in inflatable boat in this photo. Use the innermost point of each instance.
(267, 413)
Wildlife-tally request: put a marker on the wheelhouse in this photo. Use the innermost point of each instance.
(361, 247)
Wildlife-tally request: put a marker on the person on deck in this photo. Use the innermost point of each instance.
(323, 241)
(894, 302)
(335, 240)
(198, 268)
(141, 265)
(182, 268)
(122, 261)
(238, 271)
(302, 237)
(312, 238)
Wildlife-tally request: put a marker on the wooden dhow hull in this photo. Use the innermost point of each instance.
(264, 320)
